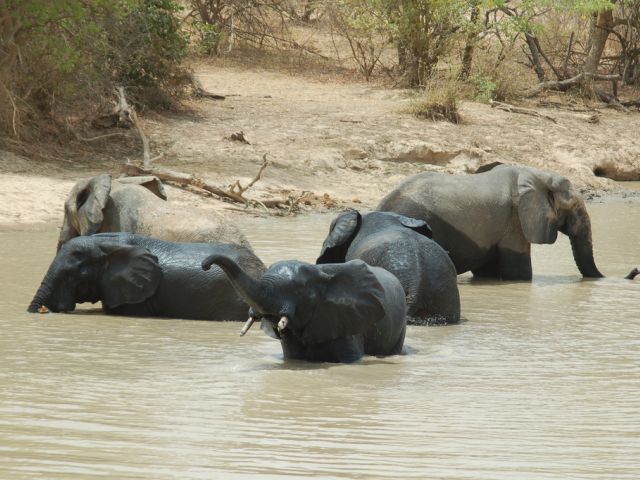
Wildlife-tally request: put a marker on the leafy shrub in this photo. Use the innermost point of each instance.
(485, 88)
(60, 57)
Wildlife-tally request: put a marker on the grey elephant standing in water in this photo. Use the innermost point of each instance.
(142, 276)
(403, 246)
(487, 221)
(323, 313)
(138, 205)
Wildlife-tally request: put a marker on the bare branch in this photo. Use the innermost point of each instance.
(564, 84)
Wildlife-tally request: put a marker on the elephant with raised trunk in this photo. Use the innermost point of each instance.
(323, 313)
(487, 221)
(142, 276)
(403, 246)
(138, 205)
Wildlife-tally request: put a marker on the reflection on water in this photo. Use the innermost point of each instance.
(542, 381)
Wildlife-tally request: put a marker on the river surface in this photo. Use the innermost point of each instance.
(542, 381)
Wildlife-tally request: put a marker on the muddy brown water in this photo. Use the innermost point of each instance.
(542, 381)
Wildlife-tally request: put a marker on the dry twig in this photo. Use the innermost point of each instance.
(238, 189)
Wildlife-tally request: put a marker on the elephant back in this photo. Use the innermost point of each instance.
(136, 209)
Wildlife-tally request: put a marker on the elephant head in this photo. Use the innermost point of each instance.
(548, 204)
(84, 208)
(346, 226)
(88, 269)
(308, 303)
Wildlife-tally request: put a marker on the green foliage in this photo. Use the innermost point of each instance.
(208, 37)
(525, 12)
(150, 45)
(62, 53)
(367, 27)
(485, 88)
(426, 29)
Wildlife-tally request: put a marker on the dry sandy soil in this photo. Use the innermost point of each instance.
(348, 144)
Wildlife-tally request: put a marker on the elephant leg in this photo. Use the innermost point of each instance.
(491, 266)
(515, 265)
(514, 253)
(439, 303)
(488, 270)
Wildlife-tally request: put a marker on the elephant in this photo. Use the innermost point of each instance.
(141, 276)
(323, 313)
(487, 221)
(138, 205)
(402, 246)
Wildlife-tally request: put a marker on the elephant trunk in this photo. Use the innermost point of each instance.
(43, 295)
(633, 274)
(579, 232)
(252, 291)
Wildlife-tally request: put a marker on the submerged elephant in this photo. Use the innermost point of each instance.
(138, 205)
(487, 221)
(403, 246)
(142, 276)
(324, 313)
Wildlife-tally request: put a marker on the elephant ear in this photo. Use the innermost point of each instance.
(343, 230)
(536, 210)
(86, 202)
(352, 300)
(487, 167)
(131, 274)
(150, 182)
(414, 224)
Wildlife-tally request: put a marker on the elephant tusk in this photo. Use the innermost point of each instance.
(247, 326)
(282, 324)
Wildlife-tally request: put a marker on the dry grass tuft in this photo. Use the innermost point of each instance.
(440, 101)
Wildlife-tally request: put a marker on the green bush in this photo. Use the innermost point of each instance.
(485, 88)
(148, 44)
(65, 56)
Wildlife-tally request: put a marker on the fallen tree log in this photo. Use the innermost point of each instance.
(234, 193)
(525, 111)
(181, 178)
(563, 85)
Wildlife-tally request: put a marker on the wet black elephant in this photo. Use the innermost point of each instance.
(403, 246)
(139, 205)
(142, 276)
(325, 313)
(487, 221)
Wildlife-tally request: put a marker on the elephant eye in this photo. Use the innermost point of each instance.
(84, 271)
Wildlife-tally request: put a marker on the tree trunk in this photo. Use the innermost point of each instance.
(467, 56)
(602, 24)
(535, 56)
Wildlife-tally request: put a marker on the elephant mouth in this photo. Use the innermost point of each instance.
(272, 325)
(63, 309)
